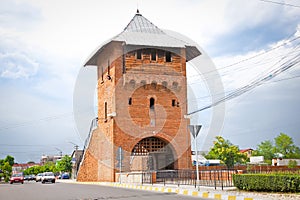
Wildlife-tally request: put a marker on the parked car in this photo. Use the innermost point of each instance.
(26, 178)
(38, 177)
(65, 176)
(30, 177)
(16, 178)
(48, 177)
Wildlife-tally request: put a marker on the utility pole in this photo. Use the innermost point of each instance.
(59, 150)
(75, 145)
(195, 129)
(120, 157)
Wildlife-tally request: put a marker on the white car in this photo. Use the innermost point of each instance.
(38, 177)
(48, 177)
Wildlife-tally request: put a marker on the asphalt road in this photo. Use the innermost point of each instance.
(61, 191)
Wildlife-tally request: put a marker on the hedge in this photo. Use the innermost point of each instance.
(267, 182)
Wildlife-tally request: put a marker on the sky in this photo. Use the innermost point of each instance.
(44, 44)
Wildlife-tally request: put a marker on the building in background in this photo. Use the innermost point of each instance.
(247, 152)
(50, 158)
(18, 168)
(76, 158)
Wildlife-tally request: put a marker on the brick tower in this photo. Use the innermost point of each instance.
(142, 100)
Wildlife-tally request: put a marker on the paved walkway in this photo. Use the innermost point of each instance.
(206, 192)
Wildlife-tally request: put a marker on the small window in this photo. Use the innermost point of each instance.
(152, 103)
(175, 85)
(173, 102)
(153, 55)
(132, 83)
(143, 84)
(165, 84)
(160, 54)
(130, 101)
(168, 56)
(153, 84)
(139, 54)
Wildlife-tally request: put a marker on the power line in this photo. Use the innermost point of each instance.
(281, 3)
(44, 119)
(288, 41)
(259, 81)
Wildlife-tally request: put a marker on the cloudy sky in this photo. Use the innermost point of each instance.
(43, 45)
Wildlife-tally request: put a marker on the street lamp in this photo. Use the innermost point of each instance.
(195, 129)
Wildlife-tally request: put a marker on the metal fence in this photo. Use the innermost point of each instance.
(209, 178)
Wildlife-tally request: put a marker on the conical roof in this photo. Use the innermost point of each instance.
(141, 32)
(142, 25)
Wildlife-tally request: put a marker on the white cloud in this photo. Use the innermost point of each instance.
(255, 64)
(16, 65)
(44, 43)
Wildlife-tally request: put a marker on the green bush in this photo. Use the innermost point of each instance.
(267, 182)
(292, 164)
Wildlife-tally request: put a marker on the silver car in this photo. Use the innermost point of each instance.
(48, 177)
(38, 177)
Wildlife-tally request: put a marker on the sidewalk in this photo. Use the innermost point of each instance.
(206, 192)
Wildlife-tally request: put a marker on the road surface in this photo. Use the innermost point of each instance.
(60, 191)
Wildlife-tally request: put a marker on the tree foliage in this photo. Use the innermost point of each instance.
(47, 167)
(6, 167)
(10, 160)
(65, 164)
(265, 149)
(283, 144)
(225, 151)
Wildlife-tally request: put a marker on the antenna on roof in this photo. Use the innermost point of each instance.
(137, 8)
(138, 12)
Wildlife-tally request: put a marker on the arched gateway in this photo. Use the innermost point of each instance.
(152, 153)
(142, 95)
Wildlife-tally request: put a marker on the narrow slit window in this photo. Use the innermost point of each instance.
(152, 101)
(130, 101)
(105, 111)
(153, 55)
(168, 56)
(173, 102)
(102, 81)
(139, 54)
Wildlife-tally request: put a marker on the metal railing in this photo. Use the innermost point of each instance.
(209, 178)
(93, 126)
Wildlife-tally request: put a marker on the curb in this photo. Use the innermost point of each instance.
(189, 192)
(180, 191)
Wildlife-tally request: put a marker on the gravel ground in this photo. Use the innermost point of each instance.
(264, 195)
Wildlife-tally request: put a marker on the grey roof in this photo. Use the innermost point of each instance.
(141, 32)
(142, 25)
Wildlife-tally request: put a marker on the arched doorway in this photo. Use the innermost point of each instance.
(152, 153)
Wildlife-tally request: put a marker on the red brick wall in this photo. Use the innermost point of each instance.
(132, 122)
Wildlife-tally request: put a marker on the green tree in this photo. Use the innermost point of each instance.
(284, 144)
(265, 149)
(225, 151)
(33, 170)
(10, 160)
(65, 164)
(6, 167)
(48, 167)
